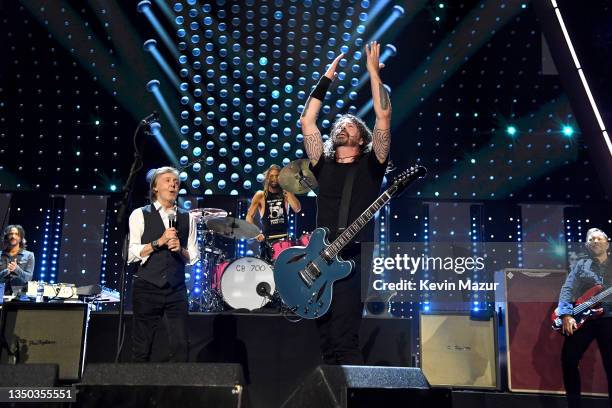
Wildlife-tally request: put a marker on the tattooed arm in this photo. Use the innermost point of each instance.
(312, 136)
(381, 141)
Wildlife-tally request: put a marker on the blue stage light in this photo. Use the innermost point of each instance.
(152, 85)
(568, 131)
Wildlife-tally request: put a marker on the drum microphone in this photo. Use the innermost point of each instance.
(263, 289)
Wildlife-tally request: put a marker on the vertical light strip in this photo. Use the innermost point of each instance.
(585, 84)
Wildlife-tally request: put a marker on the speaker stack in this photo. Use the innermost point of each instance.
(170, 385)
(364, 386)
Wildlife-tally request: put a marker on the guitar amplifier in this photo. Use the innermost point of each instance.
(533, 348)
(458, 351)
(45, 333)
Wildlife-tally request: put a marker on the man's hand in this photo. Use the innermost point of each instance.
(174, 245)
(373, 63)
(260, 237)
(331, 71)
(12, 266)
(169, 234)
(569, 325)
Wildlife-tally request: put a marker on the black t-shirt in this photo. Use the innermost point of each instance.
(274, 220)
(366, 188)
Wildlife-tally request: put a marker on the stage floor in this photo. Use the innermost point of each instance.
(277, 354)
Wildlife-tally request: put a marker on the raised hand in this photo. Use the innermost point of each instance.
(331, 71)
(373, 63)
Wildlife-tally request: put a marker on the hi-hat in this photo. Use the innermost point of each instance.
(231, 227)
(297, 177)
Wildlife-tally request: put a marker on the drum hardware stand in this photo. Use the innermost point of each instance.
(209, 300)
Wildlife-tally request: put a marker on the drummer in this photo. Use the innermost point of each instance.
(273, 205)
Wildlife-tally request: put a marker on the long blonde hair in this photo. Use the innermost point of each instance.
(266, 181)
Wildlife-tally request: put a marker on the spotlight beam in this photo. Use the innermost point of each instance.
(130, 71)
(153, 87)
(156, 131)
(166, 10)
(158, 28)
(151, 47)
(396, 14)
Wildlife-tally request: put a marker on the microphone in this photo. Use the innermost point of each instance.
(172, 220)
(263, 289)
(154, 117)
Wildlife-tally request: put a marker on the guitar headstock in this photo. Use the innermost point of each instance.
(406, 177)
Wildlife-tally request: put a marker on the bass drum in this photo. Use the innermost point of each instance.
(241, 280)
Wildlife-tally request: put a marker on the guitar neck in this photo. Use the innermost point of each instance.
(349, 233)
(595, 299)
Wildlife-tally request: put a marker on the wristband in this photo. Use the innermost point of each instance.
(321, 88)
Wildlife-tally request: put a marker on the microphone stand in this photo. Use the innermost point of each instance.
(124, 205)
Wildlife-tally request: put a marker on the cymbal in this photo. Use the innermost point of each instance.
(207, 213)
(297, 177)
(231, 227)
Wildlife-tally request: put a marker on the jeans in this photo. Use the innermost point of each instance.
(339, 327)
(573, 349)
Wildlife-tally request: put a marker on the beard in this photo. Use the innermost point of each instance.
(343, 139)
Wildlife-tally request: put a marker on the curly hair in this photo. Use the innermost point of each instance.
(365, 132)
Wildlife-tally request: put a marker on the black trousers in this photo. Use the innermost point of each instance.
(573, 350)
(150, 303)
(339, 327)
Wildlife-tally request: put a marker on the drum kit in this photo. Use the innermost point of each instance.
(244, 282)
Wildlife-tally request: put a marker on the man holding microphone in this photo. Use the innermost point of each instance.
(162, 242)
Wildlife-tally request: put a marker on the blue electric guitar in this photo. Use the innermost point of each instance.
(304, 276)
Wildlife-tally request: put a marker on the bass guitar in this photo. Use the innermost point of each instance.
(585, 308)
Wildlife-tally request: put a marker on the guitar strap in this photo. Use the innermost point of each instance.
(347, 192)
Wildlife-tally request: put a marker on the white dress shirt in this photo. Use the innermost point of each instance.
(137, 229)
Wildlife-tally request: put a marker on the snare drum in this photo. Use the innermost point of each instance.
(241, 279)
